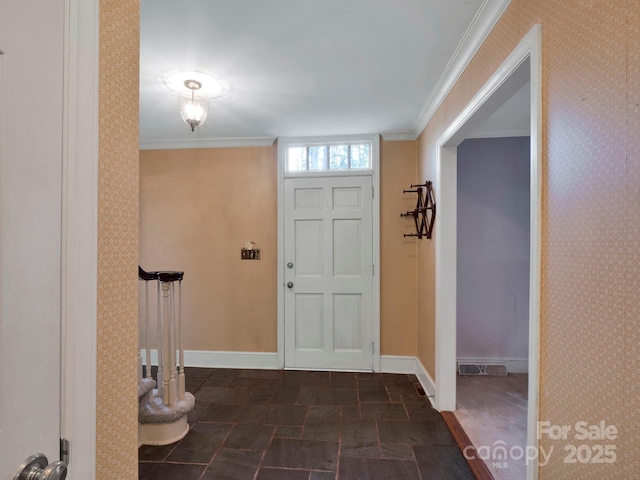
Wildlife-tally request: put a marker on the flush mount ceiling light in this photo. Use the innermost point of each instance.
(193, 109)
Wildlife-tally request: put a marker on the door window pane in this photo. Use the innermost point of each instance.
(318, 158)
(329, 157)
(360, 156)
(297, 159)
(339, 157)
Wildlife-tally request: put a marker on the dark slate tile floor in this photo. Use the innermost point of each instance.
(295, 425)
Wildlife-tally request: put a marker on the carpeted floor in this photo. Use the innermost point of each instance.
(296, 425)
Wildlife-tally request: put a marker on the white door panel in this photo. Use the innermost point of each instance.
(31, 111)
(328, 239)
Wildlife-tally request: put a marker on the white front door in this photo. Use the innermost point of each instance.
(328, 273)
(31, 112)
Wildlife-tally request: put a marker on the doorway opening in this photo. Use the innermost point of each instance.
(523, 66)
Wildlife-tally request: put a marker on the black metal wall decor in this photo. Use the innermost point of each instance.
(425, 212)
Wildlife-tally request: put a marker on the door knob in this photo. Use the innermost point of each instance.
(290, 284)
(289, 265)
(37, 467)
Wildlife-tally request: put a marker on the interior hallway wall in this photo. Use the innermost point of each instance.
(590, 341)
(117, 295)
(398, 254)
(199, 206)
(493, 249)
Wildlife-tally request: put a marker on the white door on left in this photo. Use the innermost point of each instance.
(31, 117)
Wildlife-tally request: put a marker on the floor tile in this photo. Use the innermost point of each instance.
(260, 396)
(198, 409)
(350, 412)
(415, 433)
(233, 465)
(422, 411)
(343, 380)
(268, 374)
(400, 384)
(359, 438)
(322, 423)
(249, 437)
(307, 454)
(221, 377)
(228, 395)
(281, 474)
(198, 372)
(311, 396)
(169, 471)
(322, 476)
(286, 431)
(271, 383)
(442, 462)
(234, 413)
(379, 469)
(200, 444)
(286, 393)
(285, 415)
(384, 411)
(152, 453)
(396, 450)
(192, 384)
(373, 392)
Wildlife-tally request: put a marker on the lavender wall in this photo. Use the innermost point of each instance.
(493, 248)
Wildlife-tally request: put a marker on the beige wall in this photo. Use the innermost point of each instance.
(591, 206)
(117, 342)
(199, 206)
(398, 286)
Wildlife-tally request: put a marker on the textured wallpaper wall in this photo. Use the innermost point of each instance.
(117, 323)
(198, 207)
(591, 207)
(398, 286)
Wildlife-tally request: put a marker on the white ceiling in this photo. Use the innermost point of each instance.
(303, 67)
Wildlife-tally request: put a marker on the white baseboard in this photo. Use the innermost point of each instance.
(211, 359)
(269, 361)
(397, 364)
(426, 381)
(514, 365)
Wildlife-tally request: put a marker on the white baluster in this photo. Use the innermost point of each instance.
(159, 340)
(166, 348)
(173, 380)
(181, 377)
(146, 328)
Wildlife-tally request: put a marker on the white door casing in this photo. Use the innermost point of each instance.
(31, 110)
(329, 273)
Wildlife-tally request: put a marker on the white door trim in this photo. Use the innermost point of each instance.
(530, 47)
(79, 236)
(375, 164)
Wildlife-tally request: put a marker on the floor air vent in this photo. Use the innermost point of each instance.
(482, 369)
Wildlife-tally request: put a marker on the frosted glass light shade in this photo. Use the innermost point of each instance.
(193, 108)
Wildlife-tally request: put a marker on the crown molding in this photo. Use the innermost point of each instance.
(399, 136)
(208, 143)
(484, 21)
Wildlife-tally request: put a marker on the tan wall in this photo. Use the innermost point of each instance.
(591, 206)
(117, 342)
(199, 206)
(398, 286)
